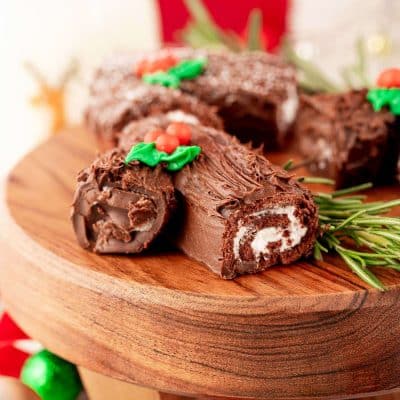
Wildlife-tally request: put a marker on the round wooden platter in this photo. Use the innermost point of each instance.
(162, 320)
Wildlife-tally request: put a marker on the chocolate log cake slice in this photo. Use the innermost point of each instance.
(254, 93)
(109, 111)
(121, 208)
(239, 213)
(343, 138)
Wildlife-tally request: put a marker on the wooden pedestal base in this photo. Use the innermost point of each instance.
(309, 331)
(100, 387)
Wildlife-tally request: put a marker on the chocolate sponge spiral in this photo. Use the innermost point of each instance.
(121, 208)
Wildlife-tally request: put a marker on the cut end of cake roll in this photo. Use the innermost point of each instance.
(239, 214)
(121, 208)
(273, 230)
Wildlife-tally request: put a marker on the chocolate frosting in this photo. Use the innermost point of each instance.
(255, 94)
(240, 214)
(345, 139)
(121, 208)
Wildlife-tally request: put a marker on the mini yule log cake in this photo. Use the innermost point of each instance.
(386, 94)
(239, 214)
(109, 111)
(120, 208)
(343, 138)
(253, 92)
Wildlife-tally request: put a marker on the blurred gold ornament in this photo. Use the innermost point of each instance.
(379, 44)
(53, 96)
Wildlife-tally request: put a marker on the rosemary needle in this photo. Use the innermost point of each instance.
(356, 230)
(358, 233)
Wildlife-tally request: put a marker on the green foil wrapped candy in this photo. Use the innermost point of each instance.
(51, 377)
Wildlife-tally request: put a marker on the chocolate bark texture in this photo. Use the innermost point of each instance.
(343, 138)
(254, 93)
(121, 208)
(239, 214)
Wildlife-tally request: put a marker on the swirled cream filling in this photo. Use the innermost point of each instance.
(289, 236)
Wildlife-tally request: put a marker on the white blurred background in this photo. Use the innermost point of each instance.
(51, 33)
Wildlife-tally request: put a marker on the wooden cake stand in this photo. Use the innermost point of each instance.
(163, 321)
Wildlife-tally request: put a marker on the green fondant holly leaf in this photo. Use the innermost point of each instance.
(381, 97)
(188, 69)
(162, 78)
(182, 156)
(147, 154)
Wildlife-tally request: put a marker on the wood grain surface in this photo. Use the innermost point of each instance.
(100, 387)
(309, 330)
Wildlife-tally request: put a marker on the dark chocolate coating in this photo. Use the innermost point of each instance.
(253, 92)
(121, 208)
(344, 139)
(239, 213)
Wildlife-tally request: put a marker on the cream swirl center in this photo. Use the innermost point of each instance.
(289, 236)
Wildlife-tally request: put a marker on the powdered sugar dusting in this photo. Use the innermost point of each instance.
(136, 93)
(180, 116)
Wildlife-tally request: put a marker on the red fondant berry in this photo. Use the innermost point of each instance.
(155, 66)
(160, 64)
(389, 78)
(182, 131)
(170, 61)
(167, 143)
(153, 135)
(142, 68)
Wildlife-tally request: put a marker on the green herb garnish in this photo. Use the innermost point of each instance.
(358, 232)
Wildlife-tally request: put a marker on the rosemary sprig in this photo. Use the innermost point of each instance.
(357, 232)
(316, 179)
(355, 229)
(254, 30)
(203, 31)
(313, 79)
(355, 76)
